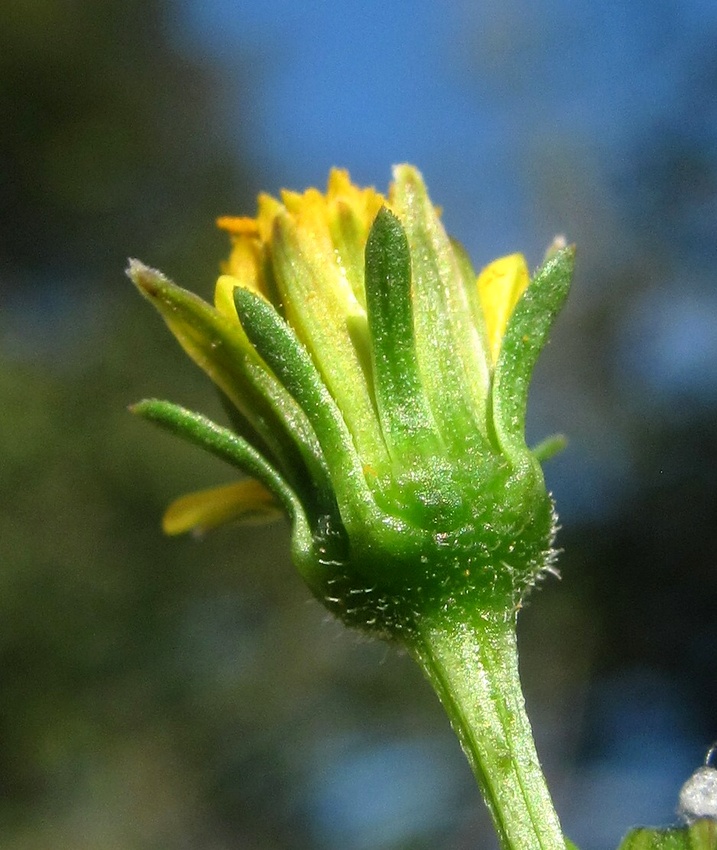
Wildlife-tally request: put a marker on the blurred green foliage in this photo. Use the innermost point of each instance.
(108, 142)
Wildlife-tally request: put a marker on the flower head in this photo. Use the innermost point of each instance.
(376, 388)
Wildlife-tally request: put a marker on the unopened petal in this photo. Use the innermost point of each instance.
(246, 501)
(500, 285)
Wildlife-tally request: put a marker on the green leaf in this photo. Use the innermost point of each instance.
(451, 354)
(525, 337)
(406, 419)
(226, 445)
(320, 304)
(222, 443)
(216, 345)
(277, 343)
(470, 288)
(700, 835)
(274, 422)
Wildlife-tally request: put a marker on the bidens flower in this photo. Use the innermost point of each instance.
(376, 388)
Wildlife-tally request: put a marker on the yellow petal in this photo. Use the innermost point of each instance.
(243, 268)
(500, 285)
(223, 296)
(238, 225)
(246, 501)
(269, 208)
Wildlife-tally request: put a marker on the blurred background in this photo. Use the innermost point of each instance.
(164, 694)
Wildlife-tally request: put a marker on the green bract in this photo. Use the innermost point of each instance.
(377, 390)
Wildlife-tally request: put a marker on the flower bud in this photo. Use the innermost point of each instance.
(377, 390)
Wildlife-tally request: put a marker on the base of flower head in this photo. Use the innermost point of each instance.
(387, 584)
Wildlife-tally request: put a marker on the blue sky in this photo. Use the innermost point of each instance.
(470, 92)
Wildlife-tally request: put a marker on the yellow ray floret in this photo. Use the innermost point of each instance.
(246, 501)
(244, 268)
(500, 285)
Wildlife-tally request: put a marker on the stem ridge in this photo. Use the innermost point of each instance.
(472, 663)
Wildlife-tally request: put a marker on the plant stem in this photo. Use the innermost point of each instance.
(472, 662)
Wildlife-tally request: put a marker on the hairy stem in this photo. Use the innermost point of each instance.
(472, 663)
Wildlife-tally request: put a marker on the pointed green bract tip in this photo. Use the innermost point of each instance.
(145, 278)
(525, 337)
(549, 447)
